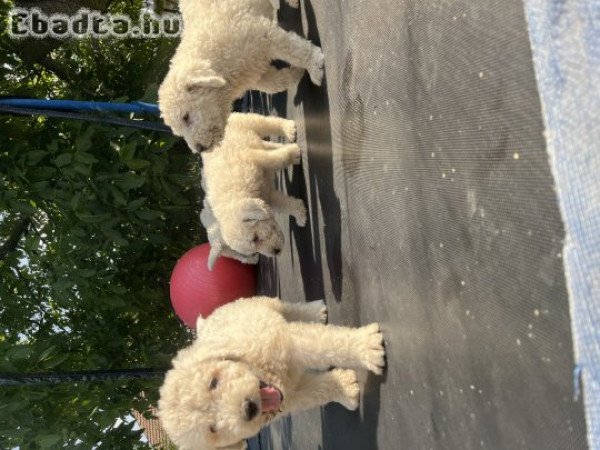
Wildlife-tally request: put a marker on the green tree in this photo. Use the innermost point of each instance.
(92, 220)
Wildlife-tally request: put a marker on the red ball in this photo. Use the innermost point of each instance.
(195, 290)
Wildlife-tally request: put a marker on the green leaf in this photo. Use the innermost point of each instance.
(14, 433)
(78, 231)
(86, 273)
(116, 302)
(84, 141)
(105, 419)
(151, 93)
(35, 156)
(46, 353)
(75, 200)
(85, 158)
(118, 196)
(40, 186)
(137, 164)
(52, 146)
(93, 218)
(43, 173)
(83, 169)
(21, 207)
(63, 159)
(118, 289)
(135, 204)
(128, 151)
(48, 440)
(168, 143)
(62, 284)
(116, 237)
(93, 411)
(19, 352)
(53, 362)
(13, 407)
(148, 215)
(36, 395)
(130, 181)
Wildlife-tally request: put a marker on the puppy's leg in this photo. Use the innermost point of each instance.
(268, 145)
(277, 159)
(266, 125)
(305, 312)
(293, 3)
(319, 346)
(299, 52)
(277, 80)
(288, 205)
(242, 445)
(246, 259)
(318, 389)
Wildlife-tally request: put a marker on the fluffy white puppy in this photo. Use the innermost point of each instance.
(231, 382)
(226, 49)
(239, 177)
(217, 246)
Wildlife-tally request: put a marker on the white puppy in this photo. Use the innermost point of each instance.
(239, 179)
(256, 360)
(217, 246)
(226, 49)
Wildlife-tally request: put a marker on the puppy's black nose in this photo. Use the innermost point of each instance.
(200, 148)
(250, 410)
(276, 251)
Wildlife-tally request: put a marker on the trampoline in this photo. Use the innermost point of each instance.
(433, 210)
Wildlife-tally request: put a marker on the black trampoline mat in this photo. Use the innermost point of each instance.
(432, 212)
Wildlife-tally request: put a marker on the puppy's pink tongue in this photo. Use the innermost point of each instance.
(270, 399)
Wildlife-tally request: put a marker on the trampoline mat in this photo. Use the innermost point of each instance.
(432, 211)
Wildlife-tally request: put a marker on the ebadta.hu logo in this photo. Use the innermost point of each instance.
(26, 23)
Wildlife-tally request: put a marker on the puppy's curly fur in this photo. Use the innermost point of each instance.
(238, 176)
(226, 49)
(217, 246)
(256, 360)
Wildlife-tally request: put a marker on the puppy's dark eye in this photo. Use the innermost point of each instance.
(255, 239)
(213, 384)
(212, 429)
(186, 118)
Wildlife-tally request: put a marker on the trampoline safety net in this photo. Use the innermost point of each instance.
(433, 209)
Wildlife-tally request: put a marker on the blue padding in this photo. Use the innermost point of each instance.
(565, 39)
(253, 444)
(73, 105)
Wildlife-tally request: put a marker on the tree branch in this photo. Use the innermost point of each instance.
(15, 236)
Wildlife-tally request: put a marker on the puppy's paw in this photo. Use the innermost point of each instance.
(370, 346)
(350, 390)
(317, 65)
(294, 3)
(300, 213)
(319, 311)
(295, 154)
(252, 259)
(289, 130)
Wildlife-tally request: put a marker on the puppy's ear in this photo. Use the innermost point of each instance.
(200, 78)
(237, 446)
(216, 249)
(206, 217)
(253, 210)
